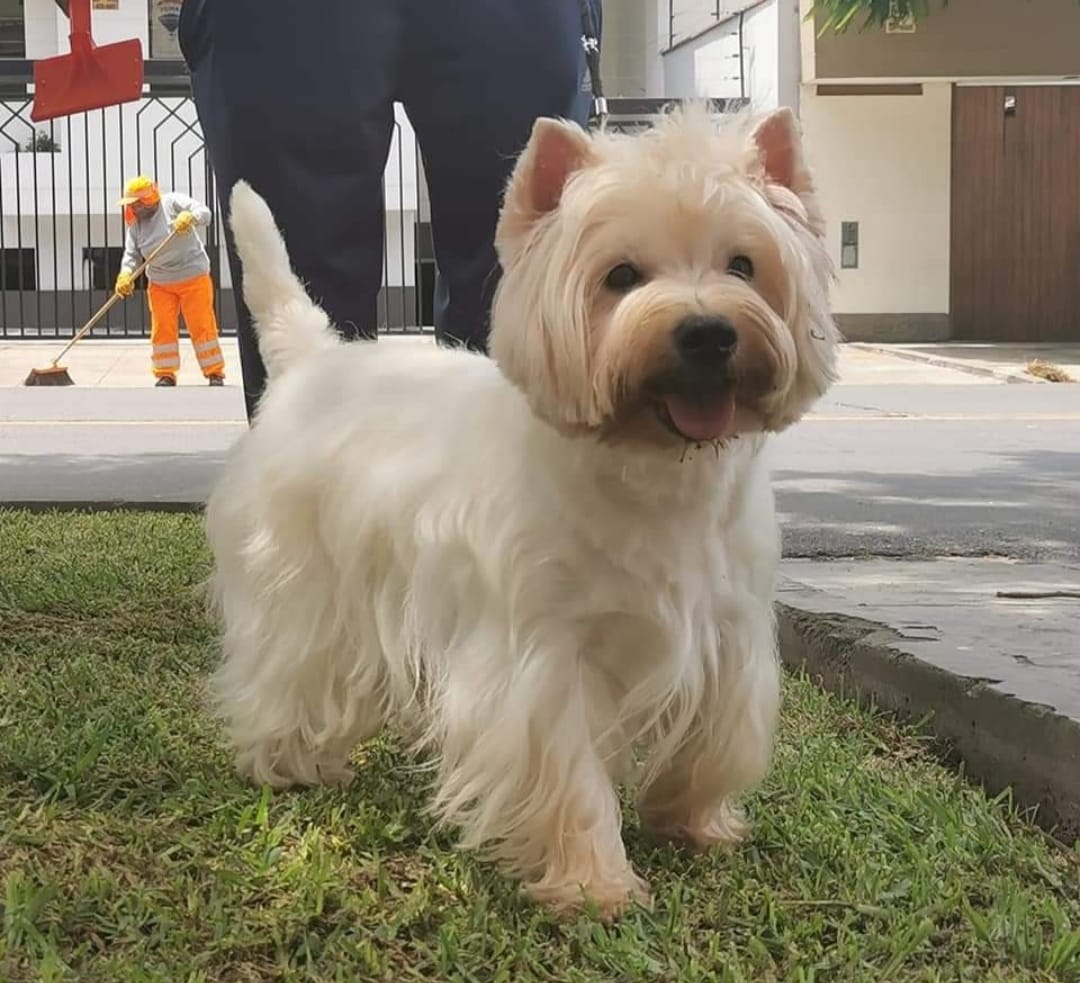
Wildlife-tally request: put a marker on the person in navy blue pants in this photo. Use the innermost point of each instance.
(297, 99)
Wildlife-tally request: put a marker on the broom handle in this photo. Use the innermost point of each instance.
(115, 298)
(82, 41)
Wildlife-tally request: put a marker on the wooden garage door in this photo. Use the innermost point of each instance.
(1015, 245)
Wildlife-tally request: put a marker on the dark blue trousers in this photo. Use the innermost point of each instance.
(295, 96)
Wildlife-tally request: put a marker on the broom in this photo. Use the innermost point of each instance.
(55, 374)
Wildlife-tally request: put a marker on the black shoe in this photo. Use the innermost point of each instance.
(216, 380)
(166, 380)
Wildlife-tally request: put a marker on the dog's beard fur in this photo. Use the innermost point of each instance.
(523, 563)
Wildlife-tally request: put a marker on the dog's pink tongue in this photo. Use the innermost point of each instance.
(710, 420)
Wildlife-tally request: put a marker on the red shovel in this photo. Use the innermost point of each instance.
(90, 77)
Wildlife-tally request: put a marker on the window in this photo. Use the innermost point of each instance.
(164, 23)
(18, 269)
(105, 265)
(12, 29)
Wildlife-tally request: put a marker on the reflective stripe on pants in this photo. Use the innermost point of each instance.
(209, 355)
(194, 299)
(166, 357)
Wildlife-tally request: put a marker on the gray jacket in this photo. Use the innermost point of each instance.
(184, 258)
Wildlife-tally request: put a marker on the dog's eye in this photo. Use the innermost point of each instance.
(623, 277)
(741, 266)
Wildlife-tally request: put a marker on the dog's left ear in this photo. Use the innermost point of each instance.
(555, 151)
(778, 140)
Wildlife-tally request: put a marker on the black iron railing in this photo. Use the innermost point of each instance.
(61, 231)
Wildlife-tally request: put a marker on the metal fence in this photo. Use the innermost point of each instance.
(61, 232)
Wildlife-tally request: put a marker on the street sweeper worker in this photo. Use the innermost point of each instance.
(179, 277)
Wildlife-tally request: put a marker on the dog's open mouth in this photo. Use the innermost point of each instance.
(698, 419)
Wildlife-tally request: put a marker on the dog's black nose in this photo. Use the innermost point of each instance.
(706, 339)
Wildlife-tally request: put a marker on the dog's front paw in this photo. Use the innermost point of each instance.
(287, 765)
(609, 898)
(724, 827)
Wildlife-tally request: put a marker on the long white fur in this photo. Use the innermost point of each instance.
(399, 538)
(291, 325)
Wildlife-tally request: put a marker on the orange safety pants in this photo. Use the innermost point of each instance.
(195, 299)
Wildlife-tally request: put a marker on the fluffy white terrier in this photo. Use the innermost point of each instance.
(539, 563)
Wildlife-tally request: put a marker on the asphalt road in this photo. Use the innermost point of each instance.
(898, 470)
(967, 471)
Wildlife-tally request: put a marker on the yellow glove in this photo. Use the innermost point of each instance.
(183, 222)
(125, 285)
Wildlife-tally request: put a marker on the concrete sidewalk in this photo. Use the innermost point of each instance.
(1005, 362)
(112, 363)
(125, 364)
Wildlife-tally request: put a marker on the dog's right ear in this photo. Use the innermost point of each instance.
(778, 140)
(555, 152)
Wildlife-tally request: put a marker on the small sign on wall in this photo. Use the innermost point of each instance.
(164, 20)
(106, 4)
(849, 245)
(901, 19)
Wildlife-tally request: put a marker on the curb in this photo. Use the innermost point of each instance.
(1003, 742)
(944, 362)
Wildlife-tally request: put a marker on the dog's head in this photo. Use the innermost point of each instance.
(668, 286)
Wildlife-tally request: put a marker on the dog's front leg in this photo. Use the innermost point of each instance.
(579, 837)
(522, 777)
(727, 749)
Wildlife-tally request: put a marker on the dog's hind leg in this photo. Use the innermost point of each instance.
(727, 750)
(300, 685)
(293, 702)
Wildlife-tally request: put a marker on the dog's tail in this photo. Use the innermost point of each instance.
(288, 323)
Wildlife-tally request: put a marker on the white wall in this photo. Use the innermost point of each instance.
(42, 28)
(692, 17)
(47, 28)
(884, 162)
(655, 43)
(761, 56)
(789, 66)
(626, 46)
(708, 66)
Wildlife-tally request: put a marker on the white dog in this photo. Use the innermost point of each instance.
(539, 563)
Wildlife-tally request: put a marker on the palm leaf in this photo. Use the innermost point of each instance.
(837, 15)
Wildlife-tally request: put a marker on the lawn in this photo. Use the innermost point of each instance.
(129, 851)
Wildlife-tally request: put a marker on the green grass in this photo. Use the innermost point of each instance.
(129, 851)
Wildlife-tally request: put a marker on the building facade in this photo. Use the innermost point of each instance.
(945, 150)
(61, 233)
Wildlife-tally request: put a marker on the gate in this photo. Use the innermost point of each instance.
(1015, 213)
(61, 231)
